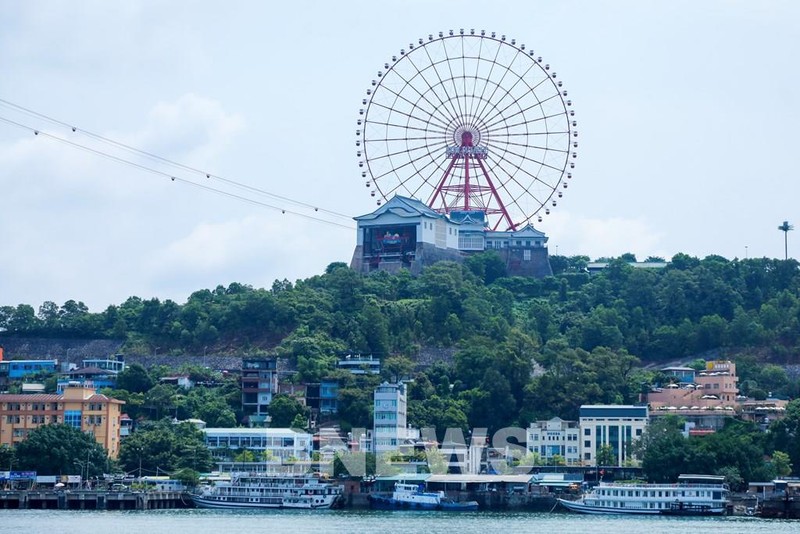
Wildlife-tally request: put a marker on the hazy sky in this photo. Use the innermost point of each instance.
(688, 114)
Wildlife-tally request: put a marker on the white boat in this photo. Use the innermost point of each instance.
(259, 490)
(692, 495)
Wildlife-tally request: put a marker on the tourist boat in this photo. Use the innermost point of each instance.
(692, 495)
(414, 497)
(259, 490)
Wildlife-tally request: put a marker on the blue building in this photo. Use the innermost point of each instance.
(16, 369)
(323, 397)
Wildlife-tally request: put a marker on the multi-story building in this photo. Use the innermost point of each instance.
(259, 385)
(389, 417)
(555, 437)
(16, 369)
(715, 386)
(323, 397)
(404, 233)
(616, 426)
(78, 406)
(277, 444)
(360, 364)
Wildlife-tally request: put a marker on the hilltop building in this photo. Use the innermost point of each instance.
(404, 233)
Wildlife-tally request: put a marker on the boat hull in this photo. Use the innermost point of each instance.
(390, 503)
(582, 508)
(206, 502)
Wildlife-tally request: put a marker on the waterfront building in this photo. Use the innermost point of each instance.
(389, 417)
(259, 385)
(616, 426)
(78, 406)
(281, 445)
(405, 233)
(553, 438)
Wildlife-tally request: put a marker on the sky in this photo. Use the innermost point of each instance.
(687, 111)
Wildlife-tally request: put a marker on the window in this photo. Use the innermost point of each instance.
(587, 443)
(526, 255)
(72, 418)
(587, 431)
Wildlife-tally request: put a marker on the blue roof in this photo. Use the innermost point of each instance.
(613, 411)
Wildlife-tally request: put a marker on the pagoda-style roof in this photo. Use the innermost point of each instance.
(404, 207)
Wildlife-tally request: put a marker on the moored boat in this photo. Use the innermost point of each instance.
(414, 497)
(692, 495)
(259, 490)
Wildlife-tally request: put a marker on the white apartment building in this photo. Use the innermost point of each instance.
(389, 417)
(555, 437)
(282, 444)
(615, 425)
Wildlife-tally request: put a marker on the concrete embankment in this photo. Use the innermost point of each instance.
(93, 500)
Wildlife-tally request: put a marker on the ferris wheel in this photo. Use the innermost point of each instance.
(469, 121)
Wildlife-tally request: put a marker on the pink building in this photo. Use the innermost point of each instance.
(713, 388)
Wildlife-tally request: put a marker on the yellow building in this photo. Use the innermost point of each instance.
(79, 406)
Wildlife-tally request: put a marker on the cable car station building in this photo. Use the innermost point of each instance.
(405, 233)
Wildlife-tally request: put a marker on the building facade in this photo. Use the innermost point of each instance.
(389, 417)
(78, 406)
(16, 369)
(553, 439)
(615, 426)
(259, 385)
(404, 233)
(267, 444)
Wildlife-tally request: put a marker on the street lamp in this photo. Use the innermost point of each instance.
(785, 228)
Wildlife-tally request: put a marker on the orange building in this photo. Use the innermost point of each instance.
(79, 406)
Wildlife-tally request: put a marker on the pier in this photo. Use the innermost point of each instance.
(93, 500)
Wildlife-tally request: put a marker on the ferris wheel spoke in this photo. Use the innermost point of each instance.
(407, 163)
(490, 98)
(537, 147)
(451, 111)
(531, 160)
(408, 115)
(522, 111)
(407, 127)
(413, 105)
(457, 100)
(408, 151)
(513, 175)
(531, 90)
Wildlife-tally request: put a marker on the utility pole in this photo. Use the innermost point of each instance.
(785, 228)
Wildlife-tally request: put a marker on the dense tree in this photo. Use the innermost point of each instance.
(162, 447)
(283, 410)
(59, 449)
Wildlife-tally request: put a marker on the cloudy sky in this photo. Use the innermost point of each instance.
(688, 116)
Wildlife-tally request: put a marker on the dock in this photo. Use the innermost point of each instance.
(93, 500)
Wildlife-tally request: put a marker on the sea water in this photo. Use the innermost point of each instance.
(196, 521)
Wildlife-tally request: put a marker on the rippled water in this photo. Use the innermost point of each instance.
(385, 522)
